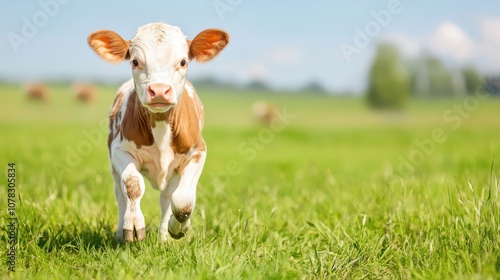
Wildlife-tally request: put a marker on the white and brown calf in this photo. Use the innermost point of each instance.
(156, 122)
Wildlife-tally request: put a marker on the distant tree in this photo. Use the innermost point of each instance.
(257, 85)
(440, 79)
(389, 83)
(314, 87)
(493, 85)
(207, 81)
(473, 79)
(430, 78)
(212, 82)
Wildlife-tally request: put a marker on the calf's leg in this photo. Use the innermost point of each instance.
(184, 196)
(165, 201)
(129, 189)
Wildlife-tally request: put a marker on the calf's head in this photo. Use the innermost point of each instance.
(159, 55)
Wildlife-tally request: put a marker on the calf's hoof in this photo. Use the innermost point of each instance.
(128, 234)
(140, 234)
(176, 229)
(177, 236)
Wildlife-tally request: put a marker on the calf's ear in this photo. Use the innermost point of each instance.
(109, 45)
(207, 44)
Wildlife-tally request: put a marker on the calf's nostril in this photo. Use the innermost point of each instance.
(151, 91)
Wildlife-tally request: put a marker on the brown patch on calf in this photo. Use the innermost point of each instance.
(185, 123)
(200, 147)
(114, 118)
(136, 123)
(196, 158)
(133, 187)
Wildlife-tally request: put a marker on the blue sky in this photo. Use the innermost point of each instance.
(285, 43)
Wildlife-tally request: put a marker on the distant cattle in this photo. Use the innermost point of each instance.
(84, 92)
(37, 92)
(155, 124)
(264, 112)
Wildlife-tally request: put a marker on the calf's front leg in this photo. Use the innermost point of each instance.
(183, 198)
(129, 189)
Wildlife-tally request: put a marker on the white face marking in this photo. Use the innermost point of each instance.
(159, 59)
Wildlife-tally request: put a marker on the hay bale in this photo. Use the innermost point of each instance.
(84, 93)
(264, 112)
(37, 92)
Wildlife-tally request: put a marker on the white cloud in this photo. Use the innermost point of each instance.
(490, 28)
(490, 47)
(288, 55)
(449, 40)
(409, 46)
(254, 72)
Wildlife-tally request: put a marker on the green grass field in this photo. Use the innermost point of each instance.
(334, 191)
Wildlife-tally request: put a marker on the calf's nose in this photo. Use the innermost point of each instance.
(158, 89)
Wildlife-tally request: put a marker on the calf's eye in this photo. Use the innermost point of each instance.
(135, 63)
(183, 62)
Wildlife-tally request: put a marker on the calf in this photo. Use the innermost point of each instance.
(155, 124)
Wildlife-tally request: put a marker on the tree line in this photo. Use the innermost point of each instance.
(393, 80)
